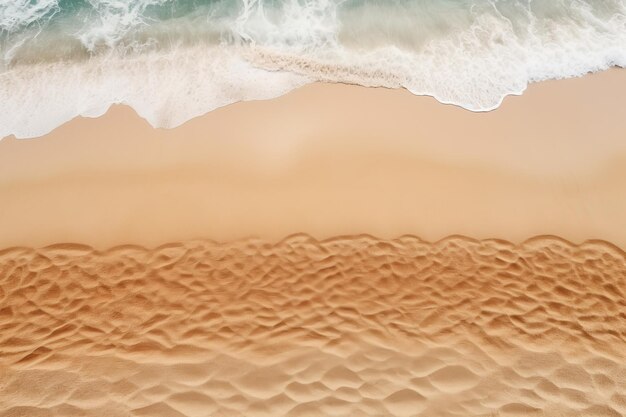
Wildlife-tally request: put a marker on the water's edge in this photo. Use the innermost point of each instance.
(173, 60)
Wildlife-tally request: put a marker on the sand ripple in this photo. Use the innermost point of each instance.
(351, 326)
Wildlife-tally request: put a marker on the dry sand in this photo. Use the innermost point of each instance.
(351, 326)
(326, 321)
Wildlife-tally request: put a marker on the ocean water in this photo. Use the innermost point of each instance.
(172, 60)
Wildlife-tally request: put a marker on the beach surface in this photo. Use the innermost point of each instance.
(327, 160)
(349, 326)
(338, 251)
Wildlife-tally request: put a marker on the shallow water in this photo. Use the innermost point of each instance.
(469, 53)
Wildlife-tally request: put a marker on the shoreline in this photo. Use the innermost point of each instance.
(162, 121)
(328, 160)
(230, 266)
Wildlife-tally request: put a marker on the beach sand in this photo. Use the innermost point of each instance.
(330, 160)
(338, 251)
(351, 326)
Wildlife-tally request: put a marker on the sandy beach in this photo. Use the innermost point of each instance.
(350, 326)
(337, 251)
(329, 160)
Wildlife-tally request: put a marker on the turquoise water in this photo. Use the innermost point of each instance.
(93, 25)
(175, 59)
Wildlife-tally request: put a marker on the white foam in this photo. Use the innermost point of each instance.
(268, 52)
(113, 20)
(165, 89)
(15, 14)
(474, 67)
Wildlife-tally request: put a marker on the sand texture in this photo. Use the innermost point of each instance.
(330, 160)
(348, 326)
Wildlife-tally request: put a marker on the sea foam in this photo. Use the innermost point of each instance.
(174, 60)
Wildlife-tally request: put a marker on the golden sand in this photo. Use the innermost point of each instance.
(350, 326)
(328, 321)
(330, 160)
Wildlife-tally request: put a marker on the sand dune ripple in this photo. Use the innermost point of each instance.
(350, 326)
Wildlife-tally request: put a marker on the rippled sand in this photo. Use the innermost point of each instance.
(350, 326)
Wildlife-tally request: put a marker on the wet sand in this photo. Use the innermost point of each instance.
(330, 160)
(229, 267)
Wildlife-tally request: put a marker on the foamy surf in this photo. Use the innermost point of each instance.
(172, 60)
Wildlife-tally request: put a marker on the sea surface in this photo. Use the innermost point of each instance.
(172, 60)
